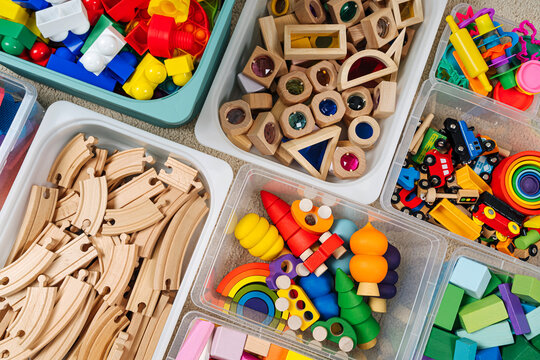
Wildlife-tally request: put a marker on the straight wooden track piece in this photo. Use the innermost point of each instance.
(104, 246)
(101, 334)
(89, 215)
(131, 219)
(344, 78)
(173, 247)
(179, 176)
(39, 212)
(71, 159)
(7, 316)
(118, 272)
(143, 298)
(35, 312)
(126, 163)
(127, 342)
(67, 206)
(154, 329)
(97, 163)
(144, 186)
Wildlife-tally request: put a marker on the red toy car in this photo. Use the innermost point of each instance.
(497, 215)
(410, 203)
(439, 167)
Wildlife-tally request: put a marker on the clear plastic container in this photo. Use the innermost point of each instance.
(17, 140)
(495, 262)
(366, 189)
(445, 40)
(62, 122)
(422, 256)
(511, 130)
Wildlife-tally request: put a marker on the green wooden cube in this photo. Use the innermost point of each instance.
(527, 288)
(494, 283)
(482, 313)
(448, 310)
(440, 345)
(520, 350)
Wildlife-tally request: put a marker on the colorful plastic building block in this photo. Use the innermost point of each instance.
(515, 310)
(34, 5)
(196, 340)
(441, 345)
(493, 284)
(493, 353)
(122, 10)
(103, 23)
(533, 318)
(103, 50)
(449, 216)
(498, 334)
(448, 310)
(147, 76)
(259, 237)
(320, 290)
(471, 276)
(94, 10)
(16, 37)
(283, 270)
(300, 316)
(345, 337)
(344, 228)
(177, 9)
(180, 68)
(197, 24)
(75, 42)
(12, 11)
(227, 344)
(527, 288)
(312, 218)
(56, 22)
(164, 39)
(482, 313)
(465, 350)
(38, 54)
(137, 38)
(122, 66)
(520, 350)
(408, 177)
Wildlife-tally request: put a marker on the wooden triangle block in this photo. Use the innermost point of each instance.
(395, 52)
(343, 75)
(294, 148)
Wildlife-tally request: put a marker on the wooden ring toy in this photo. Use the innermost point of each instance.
(328, 108)
(349, 161)
(297, 121)
(323, 76)
(358, 102)
(364, 132)
(235, 117)
(294, 88)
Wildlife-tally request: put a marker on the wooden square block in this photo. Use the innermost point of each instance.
(323, 76)
(379, 28)
(309, 11)
(257, 346)
(270, 35)
(300, 116)
(265, 133)
(258, 101)
(346, 12)
(235, 117)
(364, 132)
(358, 102)
(347, 155)
(407, 12)
(263, 66)
(228, 344)
(278, 8)
(384, 99)
(471, 276)
(278, 108)
(282, 21)
(294, 88)
(322, 106)
(355, 34)
(310, 42)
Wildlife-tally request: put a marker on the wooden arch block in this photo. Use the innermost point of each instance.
(343, 75)
(265, 133)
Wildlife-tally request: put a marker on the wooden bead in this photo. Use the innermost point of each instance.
(258, 101)
(263, 63)
(379, 28)
(413, 15)
(300, 116)
(364, 132)
(346, 149)
(310, 11)
(265, 133)
(358, 102)
(323, 76)
(321, 106)
(235, 117)
(384, 99)
(294, 88)
(335, 8)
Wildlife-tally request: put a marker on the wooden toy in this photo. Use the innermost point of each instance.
(257, 346)
(449, 307)
(141, 187)
(465, 349)
(527, 288)
(126, 163)
(498, 334)
(294, 88)
(355, 34)
(533, 318)
(349, 161)
(196, 340)
(283, 270)
(310, 42)
(263, 66)
(277, 353)
(346, 81)
(283, 156)
(143, 298)
(309, 11)
(241, 141)
(407, 12)
(270, 35)
(471, 276)
(92, 206)
(395, 50)
(407, 41)
(265, 133)
(311, 218)
(323, 76)
(328, 108)
(520, 350)
(278, 108)
(130, 219)
(296, 122)
(227, 344)
(453, 219)
(515, 311)
(358, 102)
(179, 175)
(300, 316)
(346, 12)
(364, 132)
(319, 289)
(462, 197)
(384, 99)
(440, 345)
(336, 330)
(482, 313)
(282, 21)
(259, 101)
(154, 329)
(379, 28)
(259, 237)
(235, 117)
(419, 135)
(278, 8)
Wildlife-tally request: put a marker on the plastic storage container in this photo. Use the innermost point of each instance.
(365, 189)
(18, 138)
(421, 253)
(507, 25)
(511, 130)
(170, 111)
(496, 263)
(62, 122)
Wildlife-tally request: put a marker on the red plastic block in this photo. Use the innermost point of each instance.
(198, 25)
(164, 37)
(138, 38)
(94, 9)
(123, 10)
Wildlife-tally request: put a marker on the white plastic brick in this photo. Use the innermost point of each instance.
(103, 50)
(57, 21)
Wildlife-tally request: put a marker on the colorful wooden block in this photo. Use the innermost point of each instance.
(527, 288)
(384, 99)
(482, 313)
(328, 108)
(440, 345)
(448, 310)
(515, 310)
(265, 133)
(263, 66)
(228, 344)
(407, 12)
(379, 28)
(257, 346)
(527, 307)
(493, 284)
(309, 11)
(196, 340)
(276, 353)
(471, 276)
(294, 88)
(308, 42)
(498, 334)
(235, 117)
(493, 353)
(291, 355)
(520, 350)
(465, 350)
(533, 318)
(535, 341)
(345, 11)
(297, 121)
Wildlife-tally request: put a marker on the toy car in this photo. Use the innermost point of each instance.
(497, 215)
(432, 140)
(484, 168)
(439, 167)
(409, 203)
(466, 145)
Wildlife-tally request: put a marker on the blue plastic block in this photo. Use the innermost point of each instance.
(527, 307)
(35, 5)
(471, 276)
(122, 66)
(8, 110)
(498, 334)
(344, 228)
(75, 42)
(408, 177)
(465, 350)
(319, 290)
(493, 353)
(61, 61)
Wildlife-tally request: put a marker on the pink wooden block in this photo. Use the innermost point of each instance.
(228, 344)
(196, 340)
(248, 356)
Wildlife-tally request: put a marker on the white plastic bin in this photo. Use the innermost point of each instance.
(365, 189)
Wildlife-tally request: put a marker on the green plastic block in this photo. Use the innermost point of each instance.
(520, 350)
(467, 299)
(505, 278)
(527, 288)
(482, 313)
(535, 341)
(103, 23)
(14, 31)
(448, 310)
(494, 283)
(498, 334)
(440, 345)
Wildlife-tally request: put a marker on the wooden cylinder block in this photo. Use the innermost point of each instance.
(258, 101)
(297, 121)
(349, 161)
(358, 102)
(328, 108)
(309, 11)
(364, 132)
(294, 88)
(278, 8)
(323, 76)
(235, 117)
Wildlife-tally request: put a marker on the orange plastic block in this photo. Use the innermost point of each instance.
(177, 9)
(276, 353)
(312, 218)
(147, 76)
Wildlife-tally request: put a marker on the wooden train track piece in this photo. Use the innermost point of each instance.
(144, 186)
(131, 219)
(53, 235)
(154, 329)
(104, 246)
(97, 163)
(180, 175)
(127, 342)
(143, 298)
(118, 272)
(101, 334)
(89, 215)
(39, 212)
(67, 206)
(7, 316)
(126, 163)
(173, 246)
(35, 312)
(71, 159)
(344, 80)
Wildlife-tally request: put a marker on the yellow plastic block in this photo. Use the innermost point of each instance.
(177, 9)
(307, 312)
(468, 179)
(147, 76)
(13, 12)
(180, 68)
(449, 216)
(31, 25)
(291, 355)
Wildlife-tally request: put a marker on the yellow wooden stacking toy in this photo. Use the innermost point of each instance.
(259, 237)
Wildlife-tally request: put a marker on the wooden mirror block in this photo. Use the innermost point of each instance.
(347, 155)
(323, 76)
(284, 121)
(271, 59)
(309, 11)
(239, 113)
(384, 99)
(283, 156)
(296, 81)
(282, 21)
(364, 132)
(379, 28)
(298, 42)
(409, 35)
(330, 97)
(259, 101)
(335, 7)
(278, 8)
(358, 102)
(265, 134)
(355, 34)
(343, 74)
(240, 141)
(404, 18)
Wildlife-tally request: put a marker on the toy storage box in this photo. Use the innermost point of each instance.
(445, 40)
(422, 255)
(62, 122)
(495, 262)
(23, 128)
(170, 111)
(511, 130)
(365, 189)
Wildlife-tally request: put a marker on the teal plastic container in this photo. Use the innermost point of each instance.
(170, 111)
